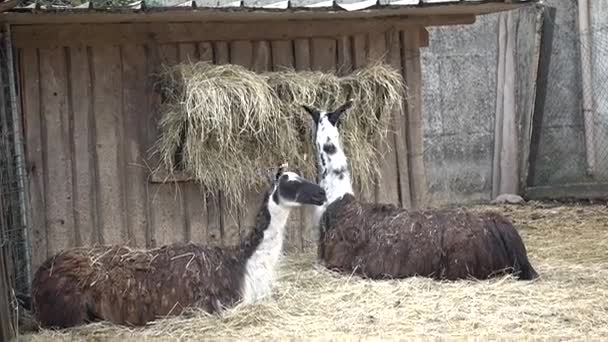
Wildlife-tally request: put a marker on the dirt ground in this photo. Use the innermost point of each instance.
(567, 244)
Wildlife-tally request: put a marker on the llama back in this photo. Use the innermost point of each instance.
(140, 286)
(384, 241)
(133, 287)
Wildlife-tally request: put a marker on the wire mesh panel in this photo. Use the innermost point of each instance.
(598, 87)
(570, 129)
(14, 245)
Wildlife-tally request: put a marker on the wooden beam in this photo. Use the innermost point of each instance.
(415, 137)
(427, 15)
(43, 36)
(424, 37)
(7, 5)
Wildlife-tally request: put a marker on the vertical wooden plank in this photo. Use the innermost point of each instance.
(221, 52)
(241, 53)
(107, 97)
(413, 78)
(399, 125)
(262, 56)
(205, 52)
(527, 115)
(56, 150)
(323, 55)
(386, 189)
(216, 203)
(345, 55)
(166, 205)
(187, 52)
(194, 200)
(83, 164)
(302, 57)
(282, 54)
(134, 75)
(283, 58)
(364, 192)
(7, 328)
(214, 220)
(261, 62)
(34, 129)
(302, 61)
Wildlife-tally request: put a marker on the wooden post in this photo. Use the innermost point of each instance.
(399, 125)
(526, 119)
(7, 329)
(505, 163)
(415, 138)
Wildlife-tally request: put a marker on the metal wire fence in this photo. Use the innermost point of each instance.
(14, 245)
(570, 128)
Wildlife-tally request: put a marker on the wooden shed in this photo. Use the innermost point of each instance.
(89, 119)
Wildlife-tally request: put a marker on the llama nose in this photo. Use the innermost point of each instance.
(323, 194)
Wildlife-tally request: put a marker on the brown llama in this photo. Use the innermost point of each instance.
(116, 284)
(385, 241)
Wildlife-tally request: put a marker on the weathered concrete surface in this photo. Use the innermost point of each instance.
(599, 23)
(459, 97)
(558, 154)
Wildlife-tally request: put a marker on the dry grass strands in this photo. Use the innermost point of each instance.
(226, 118)
(233, 121)
(569, 301)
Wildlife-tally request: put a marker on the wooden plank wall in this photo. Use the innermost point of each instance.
(90, 118)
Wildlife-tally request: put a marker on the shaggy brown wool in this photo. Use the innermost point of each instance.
(384, 241)
(125, 287)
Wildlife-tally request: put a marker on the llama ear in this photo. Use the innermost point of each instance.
(282, 168)
(334, 117)
(313, 113)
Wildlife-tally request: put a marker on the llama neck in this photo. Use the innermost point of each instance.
(334, 173)
(263, 250)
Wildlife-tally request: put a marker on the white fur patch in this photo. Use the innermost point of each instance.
(260, 270)
(334, 186)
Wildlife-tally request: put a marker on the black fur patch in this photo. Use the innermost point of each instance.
(262, 221)
(275, 197)
(339, 172)
(329, 148)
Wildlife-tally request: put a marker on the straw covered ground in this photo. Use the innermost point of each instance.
(567, 244)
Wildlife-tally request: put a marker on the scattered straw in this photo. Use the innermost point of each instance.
(567, 246)
(234, 122)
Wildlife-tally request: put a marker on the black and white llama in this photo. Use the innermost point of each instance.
(116, 284)
(385, 241)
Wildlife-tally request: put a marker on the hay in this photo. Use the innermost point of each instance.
(236, 122)
(228, 116)
(567, 245)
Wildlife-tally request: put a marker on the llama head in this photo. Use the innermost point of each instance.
(292, 190)
(327, 125)
(326, 133)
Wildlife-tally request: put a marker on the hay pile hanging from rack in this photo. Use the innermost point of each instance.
(235, 123)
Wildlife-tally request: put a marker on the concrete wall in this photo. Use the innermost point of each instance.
(558, 153)
(459, 92)
(459, 98)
